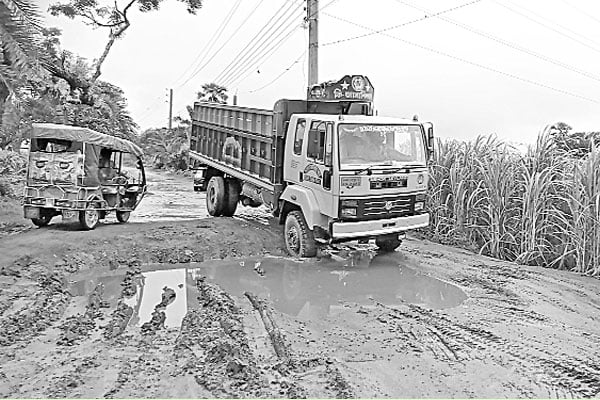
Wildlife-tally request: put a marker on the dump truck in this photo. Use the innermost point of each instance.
(326, 167)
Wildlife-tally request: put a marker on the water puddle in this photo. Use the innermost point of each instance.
(306, 290)
(316, 289)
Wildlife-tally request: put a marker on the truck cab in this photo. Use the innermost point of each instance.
(356, 176)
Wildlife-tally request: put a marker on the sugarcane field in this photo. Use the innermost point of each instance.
(299, 199)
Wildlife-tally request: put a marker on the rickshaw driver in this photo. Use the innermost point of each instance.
(107, 170)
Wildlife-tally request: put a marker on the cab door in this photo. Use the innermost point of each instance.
(317, 165)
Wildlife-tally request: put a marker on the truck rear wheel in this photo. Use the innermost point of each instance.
(299, 239)
(388, 242)
(232, 190)
(215, 196)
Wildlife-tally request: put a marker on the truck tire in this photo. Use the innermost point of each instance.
(232, 191)
(215, 196)
(388, 243)
(299, 239)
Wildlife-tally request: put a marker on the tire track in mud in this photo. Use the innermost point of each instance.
(333, 380)
(554, 369)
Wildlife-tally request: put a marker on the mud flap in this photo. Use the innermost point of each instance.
(70, 215)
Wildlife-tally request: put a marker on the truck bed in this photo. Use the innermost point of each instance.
(238, 139)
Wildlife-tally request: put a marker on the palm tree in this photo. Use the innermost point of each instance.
(19, 51)
(213, 93)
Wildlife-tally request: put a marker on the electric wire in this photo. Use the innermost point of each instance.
(258, 38)
(589, 15)
(207, 62)
(268, 54)
(547, 26)
(265, 57)
(504, 42)
(260, 56)
(400, 25)
(283, 29)
(280, 75)
(473, 63)
(203, 53)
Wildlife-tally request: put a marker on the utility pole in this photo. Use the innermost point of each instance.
(312, 10)
(170, 108)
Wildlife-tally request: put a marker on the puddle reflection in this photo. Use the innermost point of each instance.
(306, 290)
(309, 290)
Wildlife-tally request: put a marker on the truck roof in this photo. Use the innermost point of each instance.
(358, 118)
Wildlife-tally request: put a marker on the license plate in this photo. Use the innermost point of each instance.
(31, 212)
(68, 214)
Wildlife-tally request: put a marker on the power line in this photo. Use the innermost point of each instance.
(200, 68)
(265, 57)
(268, 53)
(253, 42)
(375, 32)
(549, 27)
(247, 62)
(475, 64)
(260, 55)
(506, 43)
(581, 11)
(203, 53)
(280, 75)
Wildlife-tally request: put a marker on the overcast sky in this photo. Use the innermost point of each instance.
(491, 66)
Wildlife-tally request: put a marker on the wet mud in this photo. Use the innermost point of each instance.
(211, 307)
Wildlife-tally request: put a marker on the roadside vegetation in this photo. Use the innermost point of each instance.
(538, 208)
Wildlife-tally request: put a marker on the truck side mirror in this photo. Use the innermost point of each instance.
(430, 139)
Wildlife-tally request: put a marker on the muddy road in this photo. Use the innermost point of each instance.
(176, 304)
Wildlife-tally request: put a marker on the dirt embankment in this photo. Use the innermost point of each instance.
(211, 308)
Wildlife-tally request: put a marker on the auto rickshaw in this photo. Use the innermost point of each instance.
(81, 175)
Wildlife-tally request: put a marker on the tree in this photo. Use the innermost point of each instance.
(166, 148)
(111, 16)
(213, 93)
(52, 100)
(19, 50)
(575, 144)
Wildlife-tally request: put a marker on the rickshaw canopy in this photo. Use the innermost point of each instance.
(84, 135)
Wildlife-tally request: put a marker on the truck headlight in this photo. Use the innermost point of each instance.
(349, 203)
(420, 179)
(419, 206)
(348, 212)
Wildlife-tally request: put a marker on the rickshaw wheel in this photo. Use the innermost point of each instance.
(89, 218)
(123, 216)
(42, 221)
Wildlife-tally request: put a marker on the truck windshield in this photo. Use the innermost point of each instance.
(393, 145)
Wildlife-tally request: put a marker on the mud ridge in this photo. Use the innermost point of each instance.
(48, 306)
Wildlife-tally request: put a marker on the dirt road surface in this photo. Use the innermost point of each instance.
(176, 304)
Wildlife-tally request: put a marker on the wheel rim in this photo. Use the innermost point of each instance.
(293, 240)
(211, 196)
(91, 217)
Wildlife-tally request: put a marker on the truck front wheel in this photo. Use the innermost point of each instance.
(299, 239)
(388, 242)
(215, 196)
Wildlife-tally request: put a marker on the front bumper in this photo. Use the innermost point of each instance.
(349, 230)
